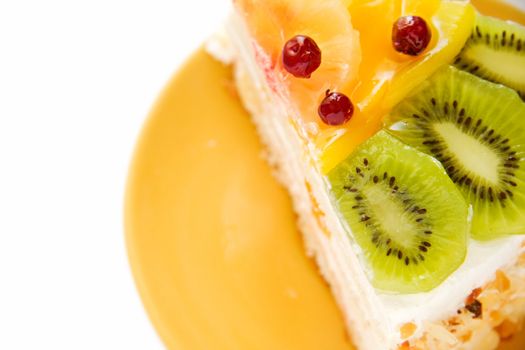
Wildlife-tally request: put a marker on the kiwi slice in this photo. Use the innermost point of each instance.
(496, 52)
(404, 212)
(476, 129)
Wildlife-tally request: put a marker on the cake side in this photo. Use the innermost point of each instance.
(293, 158)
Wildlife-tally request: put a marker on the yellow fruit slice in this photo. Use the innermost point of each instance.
(386, 77)
(453, 22)
(273, 22)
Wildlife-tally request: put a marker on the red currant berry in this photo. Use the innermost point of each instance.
(336, 108)
(301, 56)
(411, 35)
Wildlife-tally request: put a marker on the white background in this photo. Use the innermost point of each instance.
(77, 79)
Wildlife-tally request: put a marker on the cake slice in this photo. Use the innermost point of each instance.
(399, 131)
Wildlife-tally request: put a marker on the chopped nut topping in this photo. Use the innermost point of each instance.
(407, 330)
(476, 308)
(473, 296)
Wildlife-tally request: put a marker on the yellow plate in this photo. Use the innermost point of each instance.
(211, 236)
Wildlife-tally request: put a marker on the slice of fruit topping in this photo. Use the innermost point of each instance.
(496, 52)
(385, 77)
(411, 35)
(404, 211)
(327, 22)
(301, 56)
(336, 108)
(476, 129)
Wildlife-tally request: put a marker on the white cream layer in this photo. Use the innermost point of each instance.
(482, 262)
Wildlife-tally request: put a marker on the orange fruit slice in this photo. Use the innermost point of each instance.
(328, 22)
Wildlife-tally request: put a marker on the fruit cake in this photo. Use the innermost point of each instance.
(398, 128)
